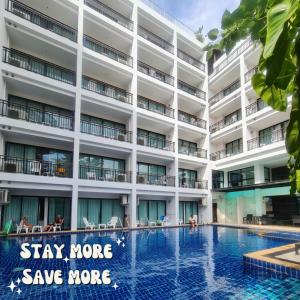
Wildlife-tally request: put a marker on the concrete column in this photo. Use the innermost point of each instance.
(76, 148)
(46, 209)
(259, 173)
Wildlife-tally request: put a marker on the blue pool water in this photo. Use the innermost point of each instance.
(181, 263)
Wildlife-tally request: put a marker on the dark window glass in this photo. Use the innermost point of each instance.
(241, 177)
(280, 173)
(217, 179)
(234, 147)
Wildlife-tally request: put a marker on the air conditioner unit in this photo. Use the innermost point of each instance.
(124, 200)
(203, 202)
(4, 197)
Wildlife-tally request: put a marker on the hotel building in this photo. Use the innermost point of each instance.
(247, 145)
(104, 112)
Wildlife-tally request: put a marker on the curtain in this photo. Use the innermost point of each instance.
(143, 210)
(188, 211)
(161, 209)
(94, 206)
(30, 208)
(153, 211)
(81, 212)
(12, 211)
(118, 210)
(107, 210)
(181, 208)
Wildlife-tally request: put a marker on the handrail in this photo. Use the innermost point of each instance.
(201, 153)
(106, 89)
(155, 39)
(92, 172)
(155, 73)
(191, 90)
(191, 119)
(34, 115)
(193, 183)
(158, 143)
(109, 13)
(114, 133)
(191, 60)
(106, 50)
(144, 103)
(258, 105)
(32, 15)
(153, 179)
(223, 123)
(225, 92)
(248, 75)
(222, 154)
(36, 65)
(11, 164)
(276, 136)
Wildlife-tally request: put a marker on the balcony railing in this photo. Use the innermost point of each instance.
(155, 73)
(250, 73)
(223, 154)
(225, 92)
(34, 115)
(258, 105)
(145, 178)
(40, 19)
(155, 143)
(191, 60)
(106, 132)
(109, 13)
(92, 172)
(34, 167)
(232, 56)
(106, 89)
(275, 136)
(191, 119)
(155, 39)
(36, 65)
(156, 107)
(191, 90)
(193, 184)
(106, 50)
(224, 123)
(201, 153)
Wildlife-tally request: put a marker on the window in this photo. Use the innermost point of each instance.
(233, 117)
(217, 179)
(234, 147)
(272, 134)
(186, 147)
(241, 177)
(267, 174)
(280, 173)
(187, 178)
(151, 139)
(152, 172)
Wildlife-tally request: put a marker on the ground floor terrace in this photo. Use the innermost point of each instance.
(257, 205)
(98, 209)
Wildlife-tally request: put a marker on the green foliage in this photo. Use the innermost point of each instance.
(275, 25)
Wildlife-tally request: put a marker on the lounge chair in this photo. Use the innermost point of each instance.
(87, 224)
(22, 227)
(113, 222)
(165, 221)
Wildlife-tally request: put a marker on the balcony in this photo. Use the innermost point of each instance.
(36, 65)
(232, 56)
(225, 92)
(200, 153)
(274, 137)
(153, 38)
(106, 50)
(106, 89)
(223, 154)
(92, 172)
(191, 90)
(144, 178)
(155, 73)
(117, 134)
(109, 13)
(193, 184)
(225, 122)
(159, 108)
(34, 167)
(191, 60)
(34, 115)
(25, 12)
(157, 143)
(250, 73)
(191, 119)
(258, 105)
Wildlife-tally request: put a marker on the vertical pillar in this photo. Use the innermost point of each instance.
(243, 103)
(46, 209)
(74, 204)
(259, 173)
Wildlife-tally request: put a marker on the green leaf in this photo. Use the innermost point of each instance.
(273, 96)
(213, 34)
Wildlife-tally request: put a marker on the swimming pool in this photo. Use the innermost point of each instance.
(177, 263)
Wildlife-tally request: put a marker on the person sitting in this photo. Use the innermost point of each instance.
(24, 223)
(126, 220)
(57, 222)
(192, 221)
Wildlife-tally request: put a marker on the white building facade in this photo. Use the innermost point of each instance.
(247, 146)
(104, 112)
